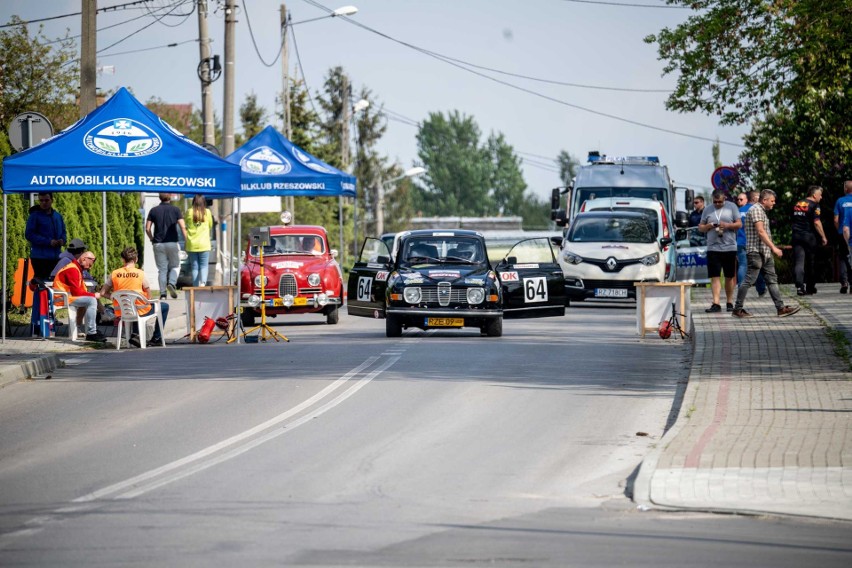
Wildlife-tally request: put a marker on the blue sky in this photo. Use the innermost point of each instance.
(569, 41)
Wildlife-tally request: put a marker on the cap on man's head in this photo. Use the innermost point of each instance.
(76, 245)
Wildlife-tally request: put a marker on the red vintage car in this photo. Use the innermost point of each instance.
(301, 273)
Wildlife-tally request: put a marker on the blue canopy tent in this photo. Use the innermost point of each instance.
(272, 165)
(120, 146)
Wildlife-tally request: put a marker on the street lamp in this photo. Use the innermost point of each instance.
(362, 104)
(380, 205)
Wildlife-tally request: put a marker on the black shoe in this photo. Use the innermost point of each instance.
(741, 313)
(172, 290)
(729, 306)
(761, 294)
(155, 342)
(134, 341)
(713, 309)
(811, 291)
(800, 291)
(162, 296)
(97, 336)
(844, 288)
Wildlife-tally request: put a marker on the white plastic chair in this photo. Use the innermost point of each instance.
(127, 303)
(62, 299)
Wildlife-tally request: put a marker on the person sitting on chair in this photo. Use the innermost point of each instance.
(131, 278)
(70, 280)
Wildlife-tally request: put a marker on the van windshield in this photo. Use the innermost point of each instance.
(583, 194)
(611, 230)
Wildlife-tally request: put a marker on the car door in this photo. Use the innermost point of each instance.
(531, 280)
(368, 280)
(692, 256)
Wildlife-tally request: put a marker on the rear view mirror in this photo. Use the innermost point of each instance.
(681, 234)
(557, 241)
(334, 253)
(383, 259)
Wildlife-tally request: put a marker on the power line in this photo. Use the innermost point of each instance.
(304, 77)
(254, 43)
(139, 17)
(525, 90)
(625, 4)
(156, 19)
(107, 9)
(150, 48)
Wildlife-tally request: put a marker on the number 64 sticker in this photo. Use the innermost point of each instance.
(535, 289)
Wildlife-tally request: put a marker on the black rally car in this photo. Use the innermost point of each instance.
(443, 279)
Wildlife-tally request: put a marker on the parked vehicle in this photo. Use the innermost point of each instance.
(301, 275)
(606, 252)
(443, 279)
(692, 256)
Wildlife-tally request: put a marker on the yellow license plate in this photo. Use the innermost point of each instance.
(445, 322)
(277, 302)
(300, 301)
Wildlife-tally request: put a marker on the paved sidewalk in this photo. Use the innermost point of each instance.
(24, 357)
(766, 420)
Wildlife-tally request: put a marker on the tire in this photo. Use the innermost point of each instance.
(494, 327)
(332, 317)
(393, 327)
(247, 317)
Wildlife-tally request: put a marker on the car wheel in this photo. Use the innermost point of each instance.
(494, 327)
(247, 317)
(332, 317)
(393, 327)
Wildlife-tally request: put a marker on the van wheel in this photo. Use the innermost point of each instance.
(494, 327)
(393, 327)
(332, 317)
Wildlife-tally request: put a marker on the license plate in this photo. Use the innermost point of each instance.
(445, 322)
(610, 292)
(277, 302)
(300, 301)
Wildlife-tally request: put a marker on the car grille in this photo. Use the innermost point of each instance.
(287, 285)
(455, 296)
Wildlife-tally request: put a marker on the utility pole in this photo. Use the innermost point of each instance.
(289, 202)
(88, 57)
(344, 154)
(228, 121)
(206, 82)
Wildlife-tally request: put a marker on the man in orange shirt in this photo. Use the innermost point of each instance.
(70, 279)
(129, 277)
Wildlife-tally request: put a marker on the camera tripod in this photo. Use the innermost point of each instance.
(673, 324)
(266, 332)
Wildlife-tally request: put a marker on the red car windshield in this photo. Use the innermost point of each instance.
(291, 244)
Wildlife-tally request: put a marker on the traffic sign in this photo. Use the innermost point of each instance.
(29, 129)
(725, 178)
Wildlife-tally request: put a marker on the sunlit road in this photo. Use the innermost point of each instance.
(343, 447)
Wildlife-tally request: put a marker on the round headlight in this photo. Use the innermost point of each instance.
(288, 300)
(475, 295)
(253, 301)
(313, 279)
(257, 281)
(412, 295)
(651, 259)
(286, 217)
(322, 299)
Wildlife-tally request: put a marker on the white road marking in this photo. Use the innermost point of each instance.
(205, 458)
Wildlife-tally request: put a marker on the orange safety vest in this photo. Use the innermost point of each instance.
(128, 279)
(59, 284)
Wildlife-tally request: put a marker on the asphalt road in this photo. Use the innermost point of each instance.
(345, 448)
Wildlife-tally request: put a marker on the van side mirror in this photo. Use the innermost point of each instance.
(554, 198)
(664, 242)
(681, 220)
(690, 197)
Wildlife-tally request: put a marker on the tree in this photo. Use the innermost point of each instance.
(252, 117)
(568, 165)
(740, 58)
(37, 74)
(717, 163)
(458, 167)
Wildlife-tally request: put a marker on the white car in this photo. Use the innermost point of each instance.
(661, 224)
(606, 252)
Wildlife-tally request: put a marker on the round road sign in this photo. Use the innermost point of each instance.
(725, 178)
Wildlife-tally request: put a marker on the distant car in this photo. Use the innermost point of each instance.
(301, 274)
(606, 252)
(692, 256)
(443, 279)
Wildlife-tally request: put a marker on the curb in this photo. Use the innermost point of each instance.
(29, 369)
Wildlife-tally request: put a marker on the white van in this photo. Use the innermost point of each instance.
(661, 224)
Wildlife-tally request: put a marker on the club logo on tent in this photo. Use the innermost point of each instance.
(306, 160)
(122, 138)
(265, 161)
